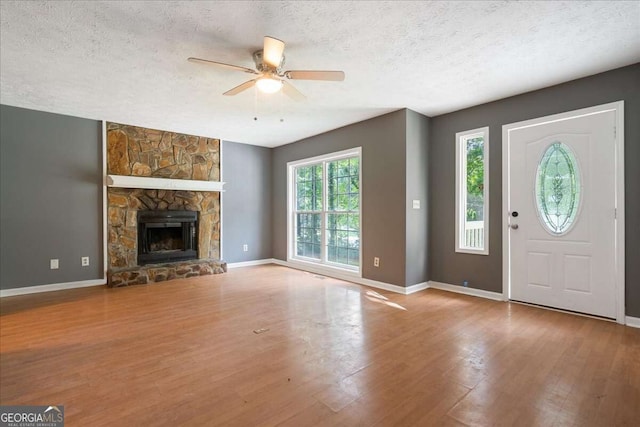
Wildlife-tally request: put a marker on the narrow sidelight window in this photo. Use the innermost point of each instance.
(472, 191)
(324, 210)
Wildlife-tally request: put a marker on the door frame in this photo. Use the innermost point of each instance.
(618, 108)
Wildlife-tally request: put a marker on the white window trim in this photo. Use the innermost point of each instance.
(301, 262)
(460, 212)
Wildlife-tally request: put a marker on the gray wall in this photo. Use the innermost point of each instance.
(485, 272)
(246, 203)
(50, 197)
(56, 160)
(383, 190)
(417, 177)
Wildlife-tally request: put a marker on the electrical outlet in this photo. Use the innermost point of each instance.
(465, 284)
(376, 262)
(245, 248)
(85, 261)
(54, 264)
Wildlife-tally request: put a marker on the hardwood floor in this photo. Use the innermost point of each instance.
(335, 354)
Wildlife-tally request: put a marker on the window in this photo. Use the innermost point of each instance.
(557, 188)
(324, 210)
(472, 191)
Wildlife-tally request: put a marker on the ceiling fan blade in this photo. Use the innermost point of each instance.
(240, 88)
(222, 64)
(272, 51)
(292, 92)
(337, 76)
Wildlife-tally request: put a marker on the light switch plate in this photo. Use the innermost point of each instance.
(54, 264)
(416, 204)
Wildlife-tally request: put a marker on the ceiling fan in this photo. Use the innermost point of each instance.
(270, 77)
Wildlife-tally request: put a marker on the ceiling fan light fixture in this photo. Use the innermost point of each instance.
(269, 84)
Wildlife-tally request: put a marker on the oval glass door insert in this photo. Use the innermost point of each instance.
(557, 189)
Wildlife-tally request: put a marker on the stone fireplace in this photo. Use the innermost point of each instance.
(179, 228)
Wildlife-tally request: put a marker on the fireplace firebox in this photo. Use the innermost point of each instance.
(166, 236)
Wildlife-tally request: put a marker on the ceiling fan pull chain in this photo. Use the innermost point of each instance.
(255, 105)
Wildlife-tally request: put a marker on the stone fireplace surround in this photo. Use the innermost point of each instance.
(140, 152)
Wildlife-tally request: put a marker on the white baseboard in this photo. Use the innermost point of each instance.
(352, 277)
(416, 288)
(634, 322)
(386, 286)
(496, 296)
(250, 263)
(48, 288)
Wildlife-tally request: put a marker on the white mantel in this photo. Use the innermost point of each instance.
(123, 181)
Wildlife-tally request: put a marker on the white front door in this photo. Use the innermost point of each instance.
(561, 213)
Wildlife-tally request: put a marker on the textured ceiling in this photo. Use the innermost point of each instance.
(127, 61)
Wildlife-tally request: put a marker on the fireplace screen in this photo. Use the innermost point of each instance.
(165, 236)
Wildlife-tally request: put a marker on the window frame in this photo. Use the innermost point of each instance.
(323, 263)
(461, 190)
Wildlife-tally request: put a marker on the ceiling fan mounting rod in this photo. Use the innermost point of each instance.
(266, 68)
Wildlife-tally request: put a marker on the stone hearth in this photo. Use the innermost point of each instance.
(118, 278)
